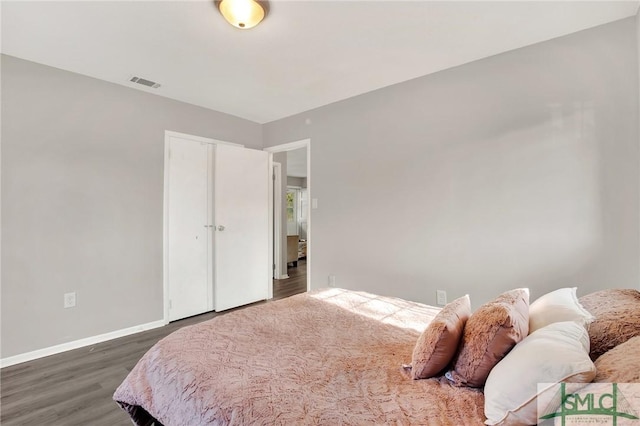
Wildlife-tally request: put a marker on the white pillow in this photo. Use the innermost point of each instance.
(559, 305)
(556, 353)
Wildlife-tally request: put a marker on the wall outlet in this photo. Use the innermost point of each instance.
(332, 280)
(70, 300)
(441, 297)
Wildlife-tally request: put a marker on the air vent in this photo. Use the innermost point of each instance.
(144, 82)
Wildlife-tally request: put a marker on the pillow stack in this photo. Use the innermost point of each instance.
(509, 348)
(557, 350)
(475, 342)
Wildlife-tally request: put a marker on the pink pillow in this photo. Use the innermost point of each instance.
(617, 318)
(621, 364)
(438, 343)
(490, 333)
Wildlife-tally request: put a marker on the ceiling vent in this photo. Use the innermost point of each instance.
(144, 82)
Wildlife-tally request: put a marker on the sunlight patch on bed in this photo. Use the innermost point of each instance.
(392, 311)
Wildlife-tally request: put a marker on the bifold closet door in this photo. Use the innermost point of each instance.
(241, 218)
(189, 231)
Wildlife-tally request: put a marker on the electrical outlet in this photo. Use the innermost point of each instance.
(332, 280)
(70, 300)
(441, 297)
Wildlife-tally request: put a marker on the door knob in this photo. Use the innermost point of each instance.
(220, 228)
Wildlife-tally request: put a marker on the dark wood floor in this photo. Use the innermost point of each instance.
(75, 387)
(297, 280)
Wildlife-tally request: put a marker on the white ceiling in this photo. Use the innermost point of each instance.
(304, 55)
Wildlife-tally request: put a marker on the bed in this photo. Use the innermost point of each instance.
(338, 357)
(325, 357)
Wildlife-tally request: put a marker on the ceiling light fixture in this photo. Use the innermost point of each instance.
(243, 14)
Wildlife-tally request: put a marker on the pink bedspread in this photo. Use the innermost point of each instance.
(327, 357)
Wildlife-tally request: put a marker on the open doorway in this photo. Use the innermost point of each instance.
(291, 218)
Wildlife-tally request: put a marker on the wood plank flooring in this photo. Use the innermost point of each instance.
(292, 285)
(75, 387)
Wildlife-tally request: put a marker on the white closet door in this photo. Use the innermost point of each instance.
(189, 237)
(242, 270)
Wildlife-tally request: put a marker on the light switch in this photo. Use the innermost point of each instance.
(314, 203)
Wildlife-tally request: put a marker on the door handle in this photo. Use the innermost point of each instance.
(220, 228)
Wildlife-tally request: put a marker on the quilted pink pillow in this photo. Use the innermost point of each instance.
(490, 333)
(621, 364)
(438, 343)
(617, 318)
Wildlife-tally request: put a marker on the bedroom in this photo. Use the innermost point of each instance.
(514, 185)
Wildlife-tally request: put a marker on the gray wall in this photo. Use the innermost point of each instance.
(516, 170)
(82, 188)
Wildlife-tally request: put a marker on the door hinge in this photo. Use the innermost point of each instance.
(170, 304)
(273, 176)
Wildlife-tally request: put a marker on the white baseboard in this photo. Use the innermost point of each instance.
(52, 350)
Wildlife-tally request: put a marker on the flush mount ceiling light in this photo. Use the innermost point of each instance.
(243, 14)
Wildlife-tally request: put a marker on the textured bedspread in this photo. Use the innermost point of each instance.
(328, 357)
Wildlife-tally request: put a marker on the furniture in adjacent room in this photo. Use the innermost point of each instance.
(292, 250)
(302, 249)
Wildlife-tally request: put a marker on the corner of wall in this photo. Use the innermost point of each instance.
(638, 53)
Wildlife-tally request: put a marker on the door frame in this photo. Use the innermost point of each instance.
(304, 143)
(276, 211)
(165, 213)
